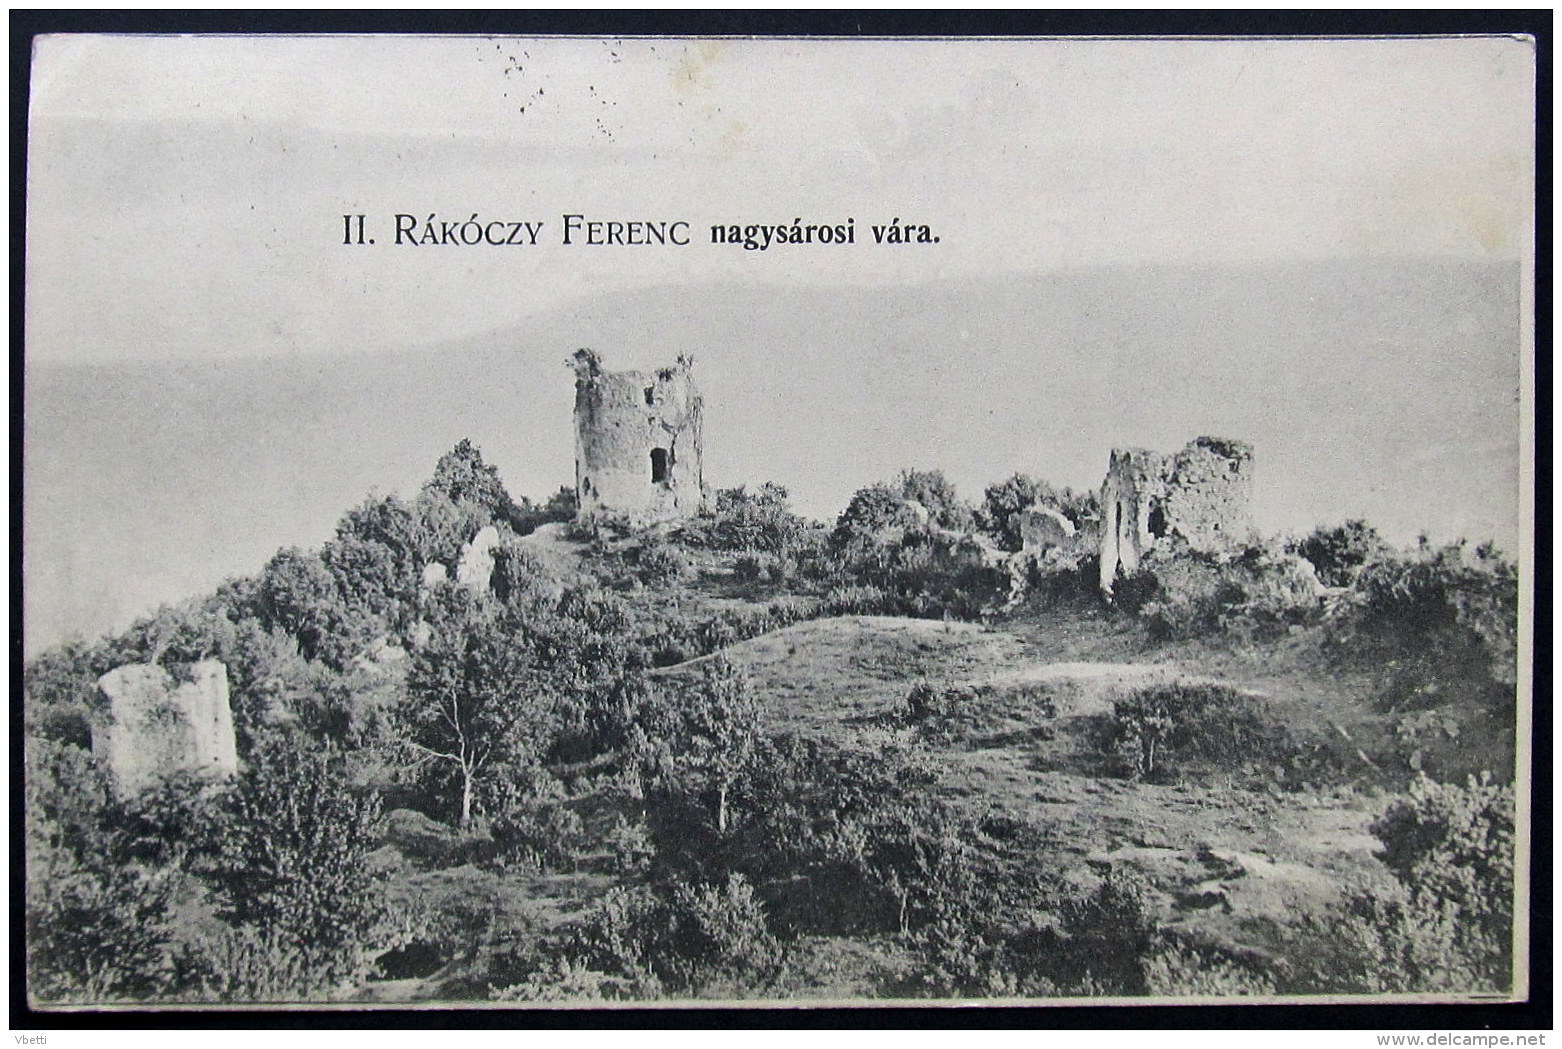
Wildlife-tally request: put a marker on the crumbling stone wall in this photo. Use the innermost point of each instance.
(476, 566)
(1043, 528)
(153, 725)
(639, 452)
(1202, 495)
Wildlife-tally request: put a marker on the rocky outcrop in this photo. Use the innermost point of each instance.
(155, 724)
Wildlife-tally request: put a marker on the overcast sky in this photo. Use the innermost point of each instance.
(186, 193)
(1314, 245)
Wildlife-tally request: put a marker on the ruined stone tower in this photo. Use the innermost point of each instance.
(638, 442)
(1202, 494)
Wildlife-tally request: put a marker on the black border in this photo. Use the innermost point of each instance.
(1534, 1014)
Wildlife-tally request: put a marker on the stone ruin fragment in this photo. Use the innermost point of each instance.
(475, 568)
(156, 725)
(1042, 528)
(1201, 495)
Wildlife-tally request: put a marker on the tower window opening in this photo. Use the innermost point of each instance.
(661, 466)
(650, 395)
(1157, 522)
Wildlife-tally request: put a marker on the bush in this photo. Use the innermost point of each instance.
(1445, 924)
(1254, 592)
(926, 703)
(1457, 606)
(720, 936)
(1389, 942)
(1107, 936)
(1161, 731)
(1005, 502)
(292, 864)
(1454, 844)
(630, 847)
(98, 932)
(1178, 970)
(531, 827)
(855, 600)
(661, 565)
(99, 920)
(1339, 553)
(757, 522)
(566, 980)
(926, 574)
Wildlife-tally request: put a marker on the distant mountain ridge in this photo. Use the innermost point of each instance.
(1386, 389)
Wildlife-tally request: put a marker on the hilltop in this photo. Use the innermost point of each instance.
(485, 751)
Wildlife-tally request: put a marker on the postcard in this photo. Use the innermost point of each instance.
(519, 522)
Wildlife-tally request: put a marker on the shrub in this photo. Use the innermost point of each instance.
(566, 980)
(749, 567)
(630, 848)
(621, 932)
(532, 828)
(1454, 844)
(760, 521)
(1004, 502)
(1107, 936)
(937, 496)
(519, 575)
(1459, 607)
(925, 703)
(99, 920)
(854, 600)
(720, 935)
(292, 862)
(1389, 942)
(1252, 592)
(660, 565)
(1445, 924)
(872, 511)
(1339, 553)
(97, 932)
(927, 574)
(1178, 970)
(689, 938)
(1160, 731)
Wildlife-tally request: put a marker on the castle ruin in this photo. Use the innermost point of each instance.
(1202, 495)
(154, 724)
(638, 442)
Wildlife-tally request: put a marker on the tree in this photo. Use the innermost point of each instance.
(873, 509)
(724, 731)
(935, 492)
(761, 520)
(60, 687)
(298, 595)
(98, 924)
(292, 867)
(464, 479)
(1004, 502)
(882, 506)
(476, 697)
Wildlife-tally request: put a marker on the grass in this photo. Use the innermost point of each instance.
(1227, 865)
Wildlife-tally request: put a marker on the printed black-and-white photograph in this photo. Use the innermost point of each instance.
(575, 521)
